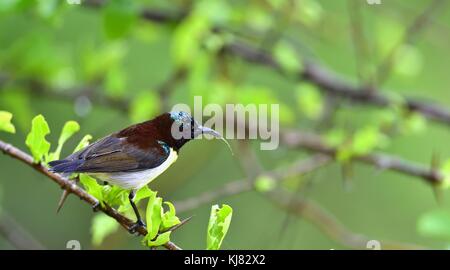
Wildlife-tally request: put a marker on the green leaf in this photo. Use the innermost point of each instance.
(114, 195)
(445, 170)
(5, 122)
(143, 193)
(47, 9)
(37, 56)
(144, 106)
(159, 241)
(91, 186)
(309, 12)
(96, 62)
(408, 61)
(256, 17)
(253, 94)
(115, 82)
(8, 5)
(366, 140)
(261, 95)
(388, 33)
(119, 16)
(414, 123)
(335, 137)
(153, 216)
(17, 101)
(310, 100)
(83, 143)
(69, 129)
(435, 223)
(363, 142)
(264, 183)
(219, 222)
(186, 40)
(169, 218)
(102, 226)
(287, 58)
(36, 141)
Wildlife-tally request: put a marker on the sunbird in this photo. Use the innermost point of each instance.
(136, 155)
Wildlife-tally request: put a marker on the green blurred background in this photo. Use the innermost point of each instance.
(88, 60)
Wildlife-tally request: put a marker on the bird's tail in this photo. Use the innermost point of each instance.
(64, 166)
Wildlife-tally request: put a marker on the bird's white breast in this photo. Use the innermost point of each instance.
(136, 180)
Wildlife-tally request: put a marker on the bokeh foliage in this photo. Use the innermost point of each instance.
(106, 68)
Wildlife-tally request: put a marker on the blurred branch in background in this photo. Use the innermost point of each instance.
(327, 223)
(314, 73)
(362, 49)
(333, 85)
(247, 184)
(37, 89)
(71, 187)
(311, 142)
(16, 235)
(413, 30)
(335, 88)
(324, 78)
(301, 207)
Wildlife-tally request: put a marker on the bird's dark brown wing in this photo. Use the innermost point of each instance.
(113, 154)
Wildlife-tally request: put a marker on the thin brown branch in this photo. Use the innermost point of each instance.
(157, 16)
(39, 89)
(15, 234)
(71, 187)
(245, 184)
(312, 142)
(360, 44)
(333, 85)
(305, 208)
(322, 77)
(327, 223)
(318, 75)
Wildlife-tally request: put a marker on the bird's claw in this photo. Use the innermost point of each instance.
(136, 226)
(96, 207)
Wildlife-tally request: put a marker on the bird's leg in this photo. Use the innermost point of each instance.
(139, 222)
(96, 207)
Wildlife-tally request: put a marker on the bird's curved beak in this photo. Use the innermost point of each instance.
(210, 131)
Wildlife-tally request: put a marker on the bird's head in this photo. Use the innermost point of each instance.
(184, 128)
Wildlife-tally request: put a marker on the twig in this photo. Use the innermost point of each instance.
(176, 227)
(312, 142)
(360, 46)
(316, 74)
(327, 223)
(305, 208)
(15, 234)
(157, 16)
(417, 25)
(245, 184)
(333, 85)
(38, 89)
(71, 187)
